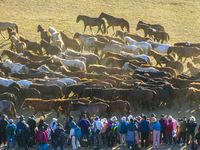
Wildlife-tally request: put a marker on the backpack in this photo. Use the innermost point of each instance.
(169, 128)
(77, 132)
(123, 128)
(62, 137)
(30, 142)
(111, 131)
(10, 130)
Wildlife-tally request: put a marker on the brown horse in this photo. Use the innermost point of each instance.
(147, 30)
(154, 26)
(8, 108)
(11, 32)
(46, 35)
(91, 109)
(122, 106)
(33, 46)
(11, 55)
(40, 105)
(70, 42)
(6, 25)
(35, 57)
(19, 46)
(88, 21)
(112, 21)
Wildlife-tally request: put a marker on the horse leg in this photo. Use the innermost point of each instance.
(91, 30)
(43, 113)
(84, 28)
(57, 112)
(122, 27)
(81, 47)
(122, 112)
(113, 30)
(184, 60)
(35, 112)
(107, 28)
(2, 34)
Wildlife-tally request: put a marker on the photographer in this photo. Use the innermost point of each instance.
(183, 128)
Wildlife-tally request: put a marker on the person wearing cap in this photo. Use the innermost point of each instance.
(168, 130)
(156, 128)
(183, 128)
(19, 128)
(10, 131)
(3, 124)
(144, 131)
(163, 128)
(25, 134)
(53, 127)
(85, 124)
(96, 127)
(131, 128)
(67, 127)
(122, 129)
(75, 141)
(58, 130)
(32, 125)
(191, 129)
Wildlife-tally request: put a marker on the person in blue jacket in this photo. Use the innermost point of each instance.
(156, 128)
(122, 129)
(19, 128)
(144, 131)
(10, 131)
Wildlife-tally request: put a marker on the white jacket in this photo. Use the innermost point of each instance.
(99, 125)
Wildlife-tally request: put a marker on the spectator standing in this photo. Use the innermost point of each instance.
(110, 132)
(32, 125)
(25, 134)
(144, 131)
(19, 128)
(84, 124)
(59, 129)
(156, 128)
(131, 127)
(122, 129)
(183, 129)
(96, 127)
(169, 129)
(163, 128)
(191, 129)
(10, 131)
(74, 139)
(3, 124)
(53, 127)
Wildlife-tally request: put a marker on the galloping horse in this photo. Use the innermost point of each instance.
(112, 21)
(46, 35)
(6, 25)
(92, 22)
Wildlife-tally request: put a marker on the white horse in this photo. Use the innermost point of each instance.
(6, 25)
(70, 63)
(45, 68)
(25, 83)
(129, 48)
(67, 81)
(16, 67)
(57, 40)
(144, 45)
(64, 56)
(161, 48)
(147, 58)
(56, 82)
(86, 40)
(132, 67)
(6, 82)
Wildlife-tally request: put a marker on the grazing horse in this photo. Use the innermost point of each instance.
(92, 22)
(6, 25)
(19, 46)
(154, 26)
(33, 46)
(8, 108)
(85, 40)
(91, 109)
(46, 35)
(50, 49)
(70, 42)
(112, 21)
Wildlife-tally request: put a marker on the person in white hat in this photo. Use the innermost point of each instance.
(53, 127)
(122, 129)
(156, 128)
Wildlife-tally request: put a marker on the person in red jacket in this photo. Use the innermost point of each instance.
(169, 129)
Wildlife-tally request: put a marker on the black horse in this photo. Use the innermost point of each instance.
(154, 26)
(92, 22)
(112, 21)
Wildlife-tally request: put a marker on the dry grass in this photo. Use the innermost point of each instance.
(179, 17)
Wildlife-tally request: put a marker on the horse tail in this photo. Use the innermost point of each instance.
(108, 111)
(128, 108)
(127, 26)
(104, 27)
(16, 27)
(13, 110)
(168, 36)
(40, 49)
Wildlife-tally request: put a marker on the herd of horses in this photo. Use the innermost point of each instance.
(58, 76)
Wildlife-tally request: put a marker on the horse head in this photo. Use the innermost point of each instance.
(101, 15)
(9, 30)
(39, 28)
(78, 18)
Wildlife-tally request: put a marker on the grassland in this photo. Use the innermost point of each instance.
(179, 17)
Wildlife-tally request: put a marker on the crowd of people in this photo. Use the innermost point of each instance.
(130, 132)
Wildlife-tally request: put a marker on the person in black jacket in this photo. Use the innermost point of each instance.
(25, 134)
(163, 126)
(191, 129)
(3, 124)
(32, 125)
(57, 140)
(67, 127)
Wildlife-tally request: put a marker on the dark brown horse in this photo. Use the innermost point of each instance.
(11, 32)
(35, 57)
(40, 105)
(147, 30)
(88, 21)
(154, 26)
(112, 21)
(8, 108)
(122, 106)
(33, 46)
(46, 35)
(11, 55)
